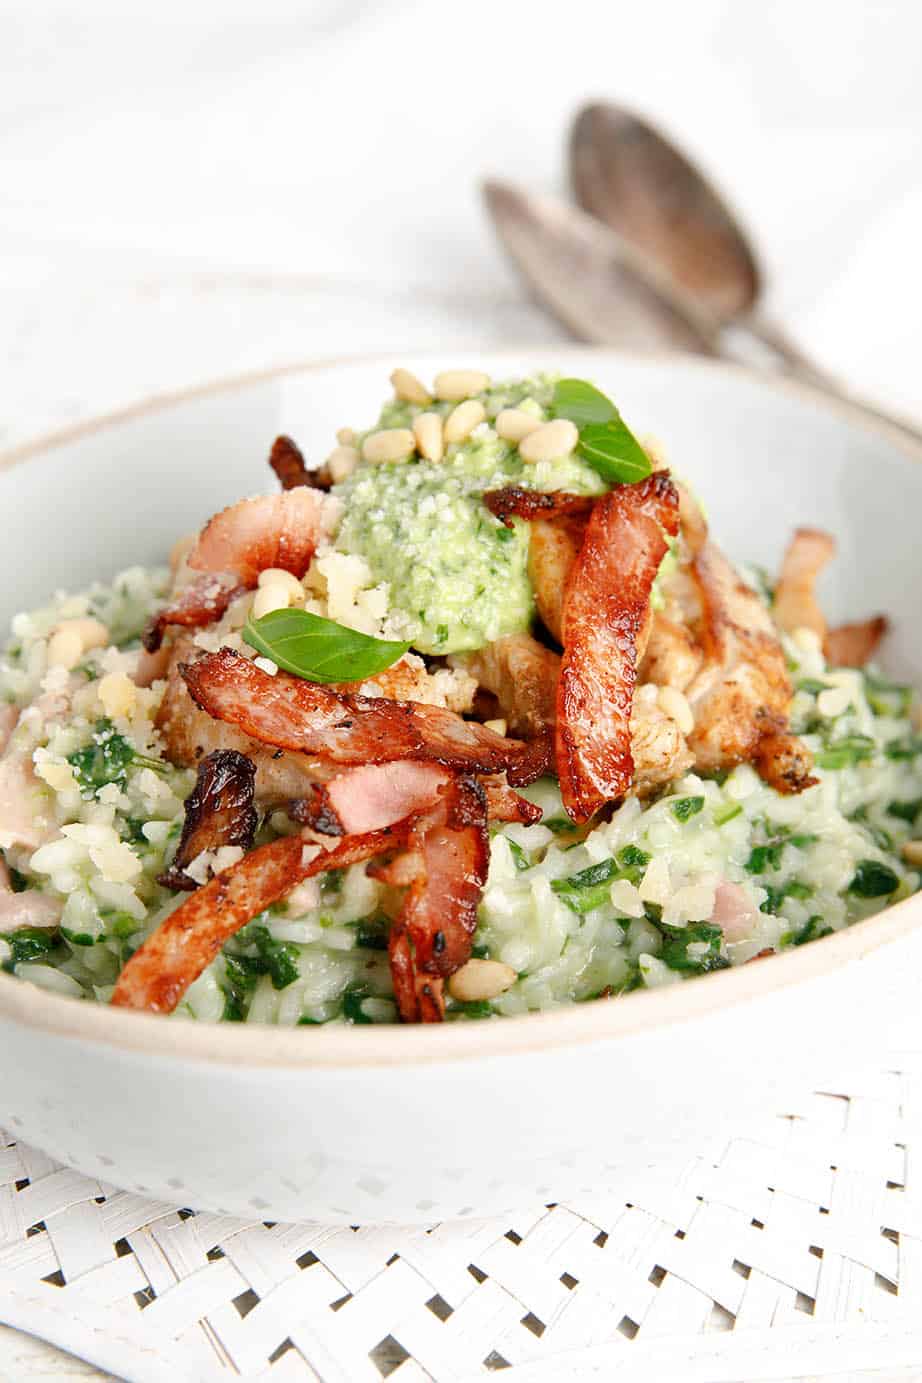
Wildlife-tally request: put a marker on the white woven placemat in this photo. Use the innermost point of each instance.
(792, 1249)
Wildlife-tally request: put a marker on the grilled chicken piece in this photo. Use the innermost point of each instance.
(658, 748)
(741, 696)
(432, 937)
(606, 621)
(162, 969)
(522, 675)
(219, 811)
(672, 656)
(553, 548)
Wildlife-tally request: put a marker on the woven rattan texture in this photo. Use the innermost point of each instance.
(795, 1247)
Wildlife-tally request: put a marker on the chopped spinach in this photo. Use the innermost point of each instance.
(372, 933)
(30, 943)
(277, 959)
(812, 930)
(887, 698)
(518, 854)
(907, 748)
(812, 685)
(906, 811)
(353, 997)
(473, 1008)
(775, 896)
(846, 752)
(587, 889)
(676, 941)
(687, 807)
(106, 759)
(873, 880)
(768, 855)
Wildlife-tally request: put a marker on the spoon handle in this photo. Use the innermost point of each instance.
(800, 367)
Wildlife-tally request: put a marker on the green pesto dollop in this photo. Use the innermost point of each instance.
(457, 577)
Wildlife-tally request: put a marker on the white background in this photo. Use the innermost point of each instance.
(191, 189)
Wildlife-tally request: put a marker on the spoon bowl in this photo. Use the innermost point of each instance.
(640, 185)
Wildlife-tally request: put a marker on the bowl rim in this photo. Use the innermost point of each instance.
(345, 1047)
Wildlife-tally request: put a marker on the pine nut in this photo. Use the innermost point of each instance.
(429, 434)
(454, 385)
(481, 979)
(807, 640)
(833, 701)
(499, 727)
(549, 441)
(267, 599)
(391, 444)
(512, 424)
(462, 420)
(912, 852)
(74, 637)
(675, 705)
(342, 461)
(345, 436)
(117, 693)
(409, 388)
(288, 584)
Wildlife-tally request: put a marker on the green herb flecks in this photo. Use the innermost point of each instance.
(587, 889)
(686, 807)
(107, 759)
(873, 880)
(318, 649)
(519, 856)
(906, 811)
(812, 930)
(277, 959)
(354, 996)
(605, 440)
(676, 941)
(845, 753)
(727, 812)
(887, 698)
(30, 943)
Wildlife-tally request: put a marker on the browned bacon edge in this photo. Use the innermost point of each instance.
(287, 460)
(433, 935)
(340, 726)
(203, 602)
(515, 502)
(159, 973)
(853, 645)
(219, 811)
(606, 607)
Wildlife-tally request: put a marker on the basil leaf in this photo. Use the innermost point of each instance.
(605, 440)
(319, 650)
(613, 451)
(582, 403)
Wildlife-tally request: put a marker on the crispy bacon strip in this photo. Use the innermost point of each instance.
(268, 531)
(219, 811)
(432, 937)
(159, 973)
(505, 805)
(287, 460)
(338, 726)
(606, 611)
(202, 602)
(795, 605)
(853, 645)
(515, 502)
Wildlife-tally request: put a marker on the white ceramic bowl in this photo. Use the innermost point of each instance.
(361, 1124)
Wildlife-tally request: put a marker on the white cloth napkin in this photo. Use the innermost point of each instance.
(190, 190)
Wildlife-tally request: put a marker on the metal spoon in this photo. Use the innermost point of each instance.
(630, 177)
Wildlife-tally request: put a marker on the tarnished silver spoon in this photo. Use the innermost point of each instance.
(635, 180)
(607, 291)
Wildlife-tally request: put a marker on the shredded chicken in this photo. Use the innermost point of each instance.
(433, 934)
(162, 969)
(219, 811)
(606, 617)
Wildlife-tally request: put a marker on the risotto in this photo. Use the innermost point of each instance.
(701, 855)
